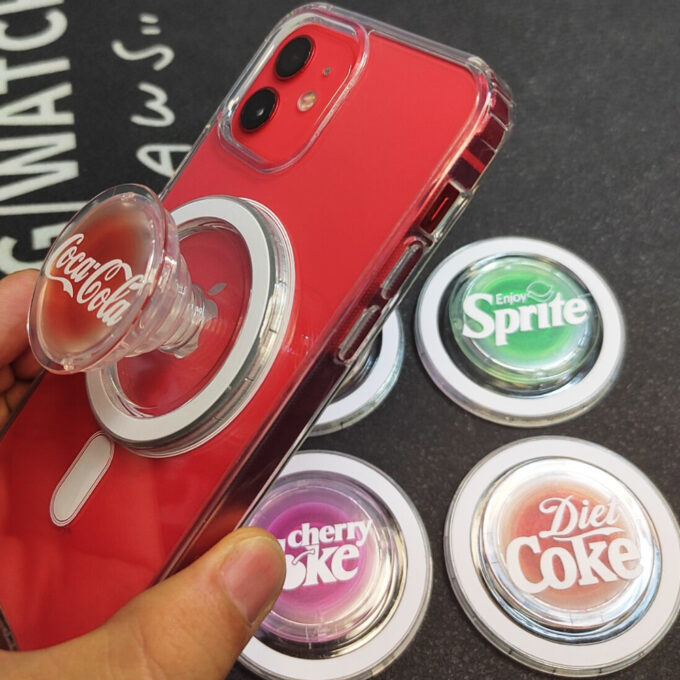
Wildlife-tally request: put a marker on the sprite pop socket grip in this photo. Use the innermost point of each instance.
(519, 331)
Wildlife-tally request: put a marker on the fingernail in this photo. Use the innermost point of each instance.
(253, 575)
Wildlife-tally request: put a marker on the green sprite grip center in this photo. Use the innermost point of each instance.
(519, 331)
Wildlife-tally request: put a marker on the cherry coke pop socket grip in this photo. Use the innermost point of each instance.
(564, 555)
(358, 576)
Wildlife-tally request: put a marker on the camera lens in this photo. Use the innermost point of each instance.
(258, 109)
(293, 57)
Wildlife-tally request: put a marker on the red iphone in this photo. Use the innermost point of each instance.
(319, 189)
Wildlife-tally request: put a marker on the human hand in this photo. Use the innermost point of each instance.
(192, 625)
(18, 366)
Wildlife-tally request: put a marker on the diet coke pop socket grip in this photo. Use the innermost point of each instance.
(519, 331)
(564, 555)
(358, 576)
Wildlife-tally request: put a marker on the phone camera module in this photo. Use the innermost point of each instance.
(293, 57)
(258, 109)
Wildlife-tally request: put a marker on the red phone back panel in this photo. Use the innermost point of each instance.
(346, 204)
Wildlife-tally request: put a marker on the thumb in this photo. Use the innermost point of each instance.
(193, 625)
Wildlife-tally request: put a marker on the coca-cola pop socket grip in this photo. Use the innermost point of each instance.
(113, 285)
(564, 555)
(358, 573)
(115, 299)
(368, 383)
(242, 253)
(519, 331)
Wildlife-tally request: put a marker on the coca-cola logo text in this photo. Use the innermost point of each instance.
(84, 279)
(329, 553)
(594, 549)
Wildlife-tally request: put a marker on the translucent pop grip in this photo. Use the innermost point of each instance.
(168, 362)
(114, 285)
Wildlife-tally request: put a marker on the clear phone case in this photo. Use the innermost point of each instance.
(304, 235)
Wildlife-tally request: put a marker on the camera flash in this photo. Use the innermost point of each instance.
(306, 101)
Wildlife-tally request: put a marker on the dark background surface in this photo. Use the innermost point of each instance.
(592, 165)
